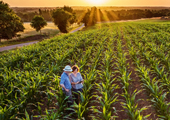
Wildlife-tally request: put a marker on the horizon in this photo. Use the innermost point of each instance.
(85, 6)
(88, 3)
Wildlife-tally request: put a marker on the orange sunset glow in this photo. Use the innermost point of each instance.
(53, 3)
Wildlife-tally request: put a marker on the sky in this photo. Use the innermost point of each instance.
(55, 3)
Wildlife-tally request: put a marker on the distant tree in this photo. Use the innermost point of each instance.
(40, 12)
(90, 17)
(68, 9)
(93, 17)
(63, 17)
(85, 19)
(168, 14)
(38, 23)
(10, 23)
(148, 13)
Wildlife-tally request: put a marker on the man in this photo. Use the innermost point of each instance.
(66, 85)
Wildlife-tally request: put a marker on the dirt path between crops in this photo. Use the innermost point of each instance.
(135, 84)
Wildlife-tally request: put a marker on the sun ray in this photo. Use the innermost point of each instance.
(98, 17)
(105, 17)
(82, 16)
(115, 17)
(96, 2)
(91, 17)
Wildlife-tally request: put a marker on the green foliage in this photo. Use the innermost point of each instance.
(10, 23)
(90, 17)
(33, 72)
(63, 18)
(154, 76)
(86, 18)
(38, 23)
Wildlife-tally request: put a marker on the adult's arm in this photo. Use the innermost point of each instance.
(81, 78)
(62, 85)
(74, 83)
(71, 80)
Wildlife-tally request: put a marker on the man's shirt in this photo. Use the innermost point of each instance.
(65, 81)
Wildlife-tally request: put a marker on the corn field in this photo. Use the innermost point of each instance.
(125, 67)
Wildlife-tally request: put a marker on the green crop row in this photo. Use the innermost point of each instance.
(32, 74)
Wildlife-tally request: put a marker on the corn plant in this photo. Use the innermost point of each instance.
(157, 95)
(129, 104)
(27, 73)
(108, 98)
(159, 71)
(82, 109)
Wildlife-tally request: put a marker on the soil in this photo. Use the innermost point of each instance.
(135, 84)
(33, 111)
(121, 112)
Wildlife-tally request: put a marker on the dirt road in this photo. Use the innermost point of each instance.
(15, 46)
(25, 44)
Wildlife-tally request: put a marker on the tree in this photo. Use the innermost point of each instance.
(63, 17)
(40, 12)
(90, 17)
(10, 23)
(38, 23)
(85, 19)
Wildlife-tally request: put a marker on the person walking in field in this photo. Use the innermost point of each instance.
(76, 82)
(66, 85)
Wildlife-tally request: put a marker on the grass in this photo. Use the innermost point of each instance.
(50, 29)
(153, 21)
(8, 43)
(6, 51)
(3, 52)
(99, 26)
(74, 27)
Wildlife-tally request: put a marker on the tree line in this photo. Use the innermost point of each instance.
(95, 15)
(46, 14)
(136, 14)
(104, 14)
(11, 23)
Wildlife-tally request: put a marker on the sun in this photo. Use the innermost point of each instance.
(96, 2)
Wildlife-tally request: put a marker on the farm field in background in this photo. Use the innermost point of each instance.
(125, 66)
(31, 34)
(50, 28)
